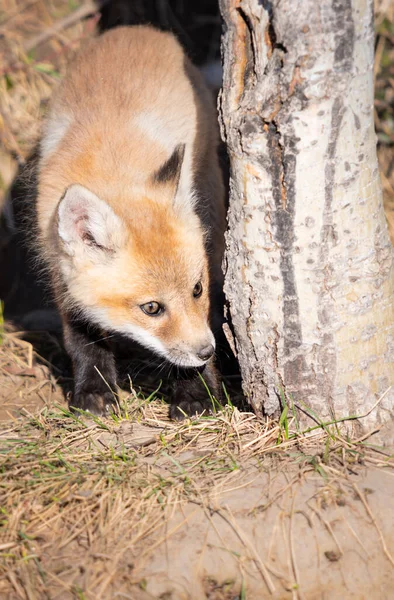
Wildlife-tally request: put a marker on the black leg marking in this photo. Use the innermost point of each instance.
(93, 366)
(190, 396)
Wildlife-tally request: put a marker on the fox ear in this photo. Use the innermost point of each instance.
(170, 171)
(85, 220)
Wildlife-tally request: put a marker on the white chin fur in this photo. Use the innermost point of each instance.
(187, 361)
(147, 340)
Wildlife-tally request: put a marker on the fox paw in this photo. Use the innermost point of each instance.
(97, 403)
(190, 395)
(186, 403)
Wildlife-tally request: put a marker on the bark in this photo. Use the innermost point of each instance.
(309, 263)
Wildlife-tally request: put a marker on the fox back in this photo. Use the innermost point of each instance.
(130, 197)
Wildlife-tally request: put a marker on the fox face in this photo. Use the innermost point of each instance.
(145, 276)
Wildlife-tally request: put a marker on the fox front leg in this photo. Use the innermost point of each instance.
(190, 395)
(93, 367)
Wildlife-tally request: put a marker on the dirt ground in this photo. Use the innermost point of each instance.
(228, 506)
(223, 507)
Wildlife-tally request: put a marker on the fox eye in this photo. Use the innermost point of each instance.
(197, 291)
(153, 309)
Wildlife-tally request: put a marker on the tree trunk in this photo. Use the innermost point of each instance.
(309, 263)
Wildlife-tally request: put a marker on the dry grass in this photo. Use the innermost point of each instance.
(30, 66)
(83, 501)
(25, 379)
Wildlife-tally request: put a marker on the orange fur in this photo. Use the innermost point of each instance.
(130, 97)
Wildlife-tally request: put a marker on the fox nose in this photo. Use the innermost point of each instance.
(206, 352)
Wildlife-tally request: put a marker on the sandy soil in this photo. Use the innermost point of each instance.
(315, 539)
(212, 508)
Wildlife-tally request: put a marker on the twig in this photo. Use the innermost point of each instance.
(88, 8)
(378, 55)
(356, 537)
(291, 547)
(328, 527)
(262, 567)
(15, 13)
(15, 584)
(372, 517)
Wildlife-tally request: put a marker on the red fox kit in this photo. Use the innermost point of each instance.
(131, 210)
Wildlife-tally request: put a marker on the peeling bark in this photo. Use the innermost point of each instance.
(309, 264)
